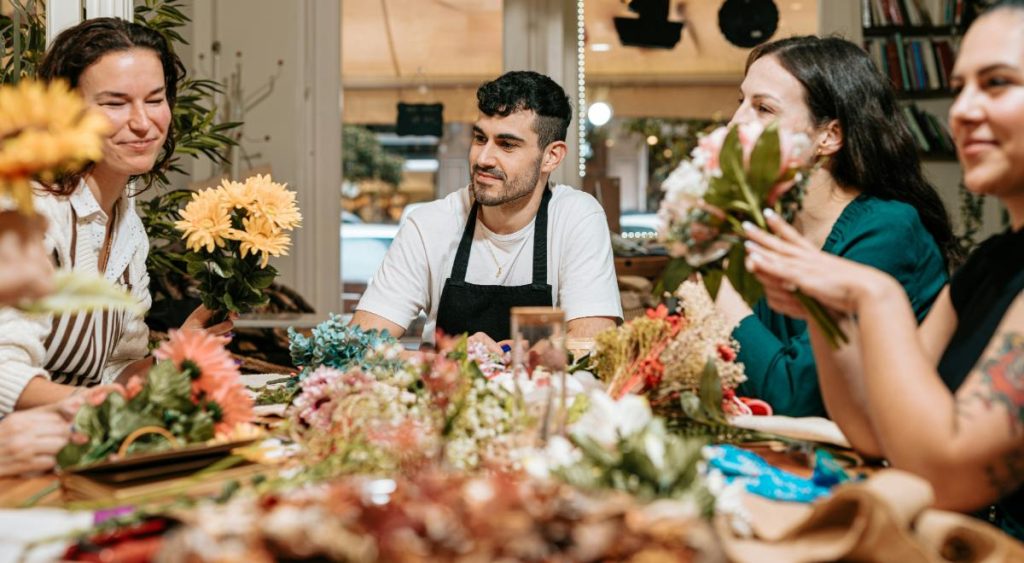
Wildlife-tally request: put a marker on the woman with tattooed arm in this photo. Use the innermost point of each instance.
(946, 400)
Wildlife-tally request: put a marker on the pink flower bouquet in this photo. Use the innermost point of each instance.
(732, 175)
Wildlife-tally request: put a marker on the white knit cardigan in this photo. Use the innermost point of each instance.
(22, 337)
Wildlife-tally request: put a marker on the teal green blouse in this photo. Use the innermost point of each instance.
(776, 350)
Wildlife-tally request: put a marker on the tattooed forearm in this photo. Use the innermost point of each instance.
(1002, 380)
(1006, 475)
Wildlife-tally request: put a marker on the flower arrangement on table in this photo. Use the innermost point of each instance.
(733, 174)
(669, 356)
(231, 232)
(620, 445)
(192, 394)
(445, 517)
(361, 406)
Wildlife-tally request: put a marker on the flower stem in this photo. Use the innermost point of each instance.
(835, 335)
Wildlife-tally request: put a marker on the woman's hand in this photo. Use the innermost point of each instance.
(788, 262)
(30, 440)
(202, 316)
(25, 269)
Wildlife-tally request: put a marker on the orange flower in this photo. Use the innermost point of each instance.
(234, 403)
(205, 354)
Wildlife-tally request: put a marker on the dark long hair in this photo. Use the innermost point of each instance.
(878, 155)
(79, 47)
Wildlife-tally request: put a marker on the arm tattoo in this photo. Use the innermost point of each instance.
(1002, 383)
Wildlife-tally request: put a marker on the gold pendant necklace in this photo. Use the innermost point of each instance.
(487, 244)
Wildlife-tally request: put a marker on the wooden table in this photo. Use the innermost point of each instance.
(15, 491)
(649, 267)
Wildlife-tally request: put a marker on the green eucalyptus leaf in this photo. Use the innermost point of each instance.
(711, 392)
(764, 162)
(731, 157)
(742, 281)
(712, 281)
(675, 272)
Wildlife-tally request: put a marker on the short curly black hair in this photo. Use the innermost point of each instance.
(523, 90)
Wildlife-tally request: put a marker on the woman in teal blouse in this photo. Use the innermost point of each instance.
(869, 202)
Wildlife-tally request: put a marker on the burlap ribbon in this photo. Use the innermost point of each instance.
(883, 519)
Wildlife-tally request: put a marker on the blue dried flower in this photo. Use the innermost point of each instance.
(335, 345)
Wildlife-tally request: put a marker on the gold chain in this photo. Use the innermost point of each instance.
(487, 244)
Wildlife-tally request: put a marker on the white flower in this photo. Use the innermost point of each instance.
(654, 446)
(607, 420)
(686, 181)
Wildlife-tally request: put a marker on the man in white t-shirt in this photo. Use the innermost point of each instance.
(509, 239)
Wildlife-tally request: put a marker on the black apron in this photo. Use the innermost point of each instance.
(471, 308)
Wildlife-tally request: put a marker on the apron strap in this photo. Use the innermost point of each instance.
(462, 255)
(540, 243)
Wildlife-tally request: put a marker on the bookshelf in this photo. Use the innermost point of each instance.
(928, 24)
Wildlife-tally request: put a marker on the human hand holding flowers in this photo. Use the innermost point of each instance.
(231, 232)
(202, 316)
(789, 266)
(733, 174)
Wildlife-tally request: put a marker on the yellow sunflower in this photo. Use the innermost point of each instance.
(205, 221)
(45, 129)
(274, 202)
(262, 236)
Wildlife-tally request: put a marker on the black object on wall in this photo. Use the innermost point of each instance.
(420, 119)
(651, 29)
(748, 23)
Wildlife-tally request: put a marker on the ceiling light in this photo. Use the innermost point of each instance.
(599, 113)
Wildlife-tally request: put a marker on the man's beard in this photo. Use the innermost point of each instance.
(512, 189)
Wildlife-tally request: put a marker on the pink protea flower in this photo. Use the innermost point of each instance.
(711, 146)
(204, 354)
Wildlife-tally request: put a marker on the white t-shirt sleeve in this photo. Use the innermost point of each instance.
(587, 284)
(401, 287)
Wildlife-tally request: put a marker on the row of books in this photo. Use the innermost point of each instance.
(930, 133)
(919, 13)
(914, 65)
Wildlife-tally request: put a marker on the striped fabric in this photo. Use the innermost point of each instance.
(80, 344)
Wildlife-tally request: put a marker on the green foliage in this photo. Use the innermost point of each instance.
(229, 283)
(22, 40)
(165, 401)
(364, 159)
(197, 134)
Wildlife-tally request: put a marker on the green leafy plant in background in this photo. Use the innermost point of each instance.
(197, 134)
(674, 139)
(364, 159)
(22, 40)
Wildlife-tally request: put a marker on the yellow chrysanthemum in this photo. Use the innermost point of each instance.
(45, 129)
(263, 237)
(274, 202)
(205, 221)
(235, 195)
